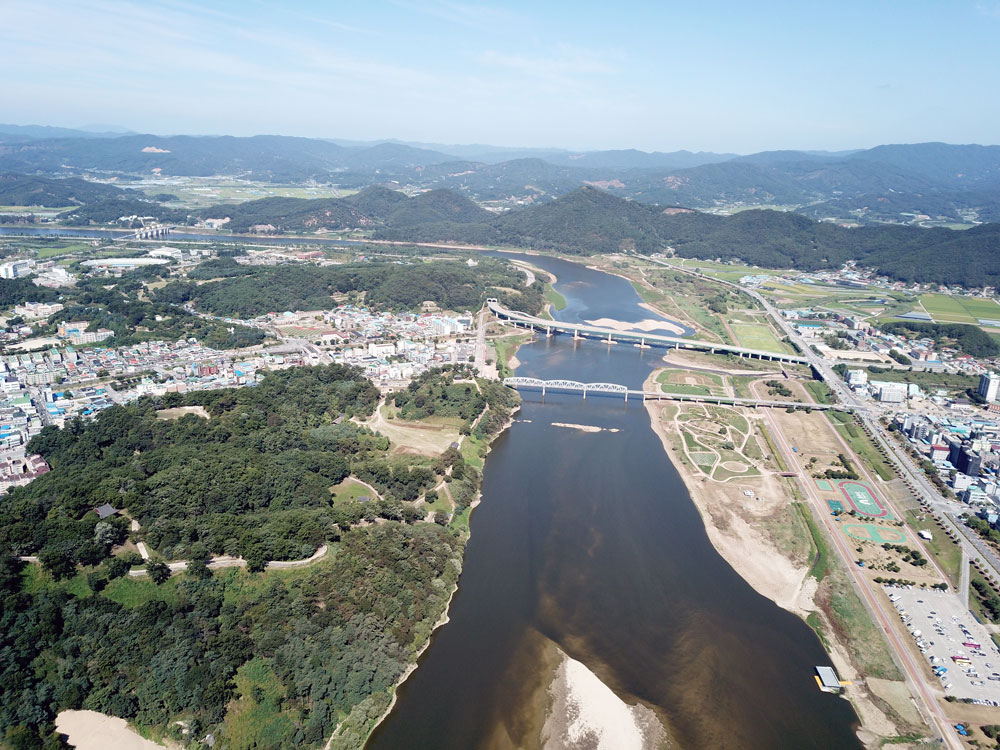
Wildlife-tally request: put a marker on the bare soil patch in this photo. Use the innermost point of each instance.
(179, 411)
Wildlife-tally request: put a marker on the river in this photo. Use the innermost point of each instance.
(591, 541)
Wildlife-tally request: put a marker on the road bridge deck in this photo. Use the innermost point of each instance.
(644, 339)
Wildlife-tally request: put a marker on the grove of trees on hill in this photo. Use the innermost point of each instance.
(262, 660)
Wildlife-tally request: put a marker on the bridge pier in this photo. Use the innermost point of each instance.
(548, 331)
(610, 341)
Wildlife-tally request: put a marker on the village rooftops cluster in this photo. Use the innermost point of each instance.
(965, 453)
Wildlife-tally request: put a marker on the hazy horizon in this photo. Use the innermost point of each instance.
(114, 128)
(720, 77)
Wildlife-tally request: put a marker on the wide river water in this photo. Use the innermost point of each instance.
(591, 541)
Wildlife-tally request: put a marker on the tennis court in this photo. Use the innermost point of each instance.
(836, 506)
(862, 498)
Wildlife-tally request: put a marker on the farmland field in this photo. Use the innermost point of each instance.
(948, 309)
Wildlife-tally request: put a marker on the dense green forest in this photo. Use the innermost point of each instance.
(262, 660)
(590, 221)
(295, 653)
(253, 480)
(392, 286)
(32, 190)
(969, 339)
(374, 206)
(18, 291)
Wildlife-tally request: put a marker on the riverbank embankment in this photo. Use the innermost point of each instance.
(755, 525)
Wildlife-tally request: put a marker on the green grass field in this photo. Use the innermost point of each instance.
(757, 336)
(132, 592)
(861, 444)
(349, 491)
(702, 383)
(554, 298)
(820, 392)
(945, 308)
(946, 553)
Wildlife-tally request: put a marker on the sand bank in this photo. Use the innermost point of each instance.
(737, 528)
(648, 325)
(585, 427)
(587, 715)
(90, 730)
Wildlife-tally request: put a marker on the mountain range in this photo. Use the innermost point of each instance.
(588, 220)
(889, 183)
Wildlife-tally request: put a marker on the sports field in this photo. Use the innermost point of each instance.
(869, 532)
(824, 485)
(862, 498)
(757, 336)
(835, 506)
(945, 308)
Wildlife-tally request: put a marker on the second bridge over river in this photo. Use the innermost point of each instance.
(640, 338)
(573, 386)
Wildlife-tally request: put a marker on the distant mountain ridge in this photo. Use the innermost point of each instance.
(960, 182)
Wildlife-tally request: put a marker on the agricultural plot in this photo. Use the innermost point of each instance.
(944, 308)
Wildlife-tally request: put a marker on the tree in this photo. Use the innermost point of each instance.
(158, 571)
(58, 562)
(198, 569)
(256, 557)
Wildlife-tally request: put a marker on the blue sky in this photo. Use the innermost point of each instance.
(720, 76)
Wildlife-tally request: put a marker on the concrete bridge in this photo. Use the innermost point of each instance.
(544, 386)
(147, 233)
(643, 340)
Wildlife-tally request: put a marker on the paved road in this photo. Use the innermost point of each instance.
(944, 510)
(963, 588)
(480, 355)
(918, 685)
(914, 678)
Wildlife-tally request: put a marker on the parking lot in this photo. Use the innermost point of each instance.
(951, 639)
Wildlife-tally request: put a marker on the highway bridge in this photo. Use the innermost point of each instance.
(642, 339)
(149, 232)
(519, 383)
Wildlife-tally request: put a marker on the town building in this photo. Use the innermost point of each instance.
(989, 386)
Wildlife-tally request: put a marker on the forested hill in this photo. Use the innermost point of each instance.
(32, 190)
(372, 207)
(249, 291)
(266, 660)
(590, 221)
